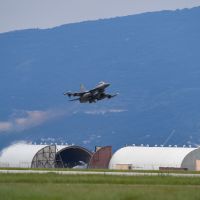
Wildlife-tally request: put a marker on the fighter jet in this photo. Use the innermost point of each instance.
(91, 96)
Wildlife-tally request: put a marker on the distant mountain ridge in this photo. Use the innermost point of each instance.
(152, 60)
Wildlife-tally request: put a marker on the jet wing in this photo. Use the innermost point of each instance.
(96, 90)
(75, 94)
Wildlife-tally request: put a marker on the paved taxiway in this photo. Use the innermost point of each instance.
(98, 173)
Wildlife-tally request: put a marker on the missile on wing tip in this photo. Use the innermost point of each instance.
(68, 94)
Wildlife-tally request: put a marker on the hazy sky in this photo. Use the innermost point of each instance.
(21, 14)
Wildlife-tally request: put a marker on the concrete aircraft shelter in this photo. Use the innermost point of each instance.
(71, 156)
(154, 158)
(18, 155)
(44, 156)
(22, 154)
(53, 156)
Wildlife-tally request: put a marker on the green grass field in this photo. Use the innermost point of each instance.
(51, 186)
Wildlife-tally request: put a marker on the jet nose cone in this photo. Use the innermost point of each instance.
(107, 84)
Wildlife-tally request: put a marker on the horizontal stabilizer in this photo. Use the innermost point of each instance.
(74, 99)
(112, 95)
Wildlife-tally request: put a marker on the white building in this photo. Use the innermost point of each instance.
(27, 155)
(23, 154)
(153, 158)
(131, 157)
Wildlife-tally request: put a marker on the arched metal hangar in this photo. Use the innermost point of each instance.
(28, 155)
(154, 158)
(19, 155)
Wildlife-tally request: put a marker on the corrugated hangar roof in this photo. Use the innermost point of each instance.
(140, 157)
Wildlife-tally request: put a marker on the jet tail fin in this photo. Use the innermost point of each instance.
(82, 88)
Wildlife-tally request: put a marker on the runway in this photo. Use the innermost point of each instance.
(97, 173)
